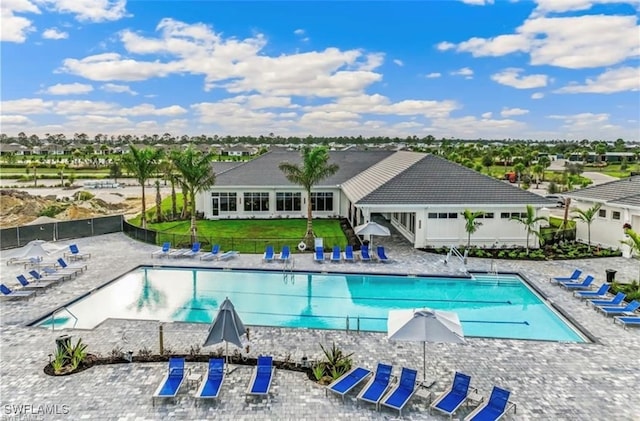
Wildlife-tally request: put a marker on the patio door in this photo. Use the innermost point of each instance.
(215, 208)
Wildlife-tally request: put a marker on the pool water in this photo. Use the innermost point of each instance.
(488, 306)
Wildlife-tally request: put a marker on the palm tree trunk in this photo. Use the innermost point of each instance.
(143, 219)
(194, 227)
(309, 236)
(174, 205)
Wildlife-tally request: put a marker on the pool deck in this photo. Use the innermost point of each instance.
(548, 381)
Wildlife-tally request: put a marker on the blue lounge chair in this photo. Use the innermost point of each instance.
(619, 311)
(364, 254)
(213, 254)
(494, 408)
(260, 382)
(381, 254)
(77, 266)
(75, 253)
(452, 398)
(319, 254)
(348, 254)
(573, 278)
(195, 249)
(585, 284)
(52, 270)
(627, 320)
(164, 251)
(33, 285)
(617, 300)
(285, 254)
(336, 254)
(601, 293)
(403, 391)
(376, 388)
(172, 381)
(268, 254)
(10, 295)
(345, 383)
(46, 277)
(211, 385)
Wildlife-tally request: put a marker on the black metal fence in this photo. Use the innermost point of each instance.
(63, 230)
(244, 245)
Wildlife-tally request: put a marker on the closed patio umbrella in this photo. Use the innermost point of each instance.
(226, 327)
(424, 325)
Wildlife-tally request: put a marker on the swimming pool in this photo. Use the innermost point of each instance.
(488, 306)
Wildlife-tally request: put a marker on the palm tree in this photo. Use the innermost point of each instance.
(587, 216)
(158, 202)
(142, 163)
(633, 241)
(471, 223)
(530, 220)
(34, 165)
(315, 167)
(196, 175)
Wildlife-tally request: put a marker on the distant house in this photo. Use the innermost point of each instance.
(14, 148)
(620, 200)
(421, 195)
(237, 151)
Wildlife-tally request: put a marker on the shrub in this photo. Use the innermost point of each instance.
(52, 210)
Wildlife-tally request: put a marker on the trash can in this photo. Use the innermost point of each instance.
(63, 342)
(611, 275)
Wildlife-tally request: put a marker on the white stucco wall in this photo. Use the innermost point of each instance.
(606, 231)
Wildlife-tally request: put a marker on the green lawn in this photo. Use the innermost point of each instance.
(250, 235)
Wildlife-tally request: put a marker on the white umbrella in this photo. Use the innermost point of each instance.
(372, 228)
(424, 325)
(226, 327)
(36, 249)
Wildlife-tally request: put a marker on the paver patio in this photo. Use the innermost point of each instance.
(549, 381)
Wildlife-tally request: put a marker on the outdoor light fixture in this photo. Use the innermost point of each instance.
(129, 356)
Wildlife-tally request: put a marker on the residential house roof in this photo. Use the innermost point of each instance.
(434, 180)
(263, 171)
(624, 192)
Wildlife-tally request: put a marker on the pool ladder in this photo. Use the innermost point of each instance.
(53, 318)
(287, 271)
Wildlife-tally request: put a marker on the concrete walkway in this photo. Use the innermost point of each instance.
(549, 381)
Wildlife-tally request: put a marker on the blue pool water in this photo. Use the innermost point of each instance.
(490, 306)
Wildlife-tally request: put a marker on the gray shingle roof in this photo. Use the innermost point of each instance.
(263, 171)
(624, 192)
(434, 180)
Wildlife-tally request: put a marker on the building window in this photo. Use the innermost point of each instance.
(256, 202)
(322, 201)
(226, 201)
(505, 215)
(412, 222)
(615, 215)
(288, 202)
(602, 213)
(432, 215)
(487, 215)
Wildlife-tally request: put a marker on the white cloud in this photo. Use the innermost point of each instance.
(398, 62)
(623, 79)
(470, 127)
(299, 32)
(235, 65)
(26, 106)
(512, 77)
(88, 10)
(14, 120)
(15, 28)
(510, 112)
(150, 109)
(465, 71)
(548, 6)
(587, 126)
(69, 89)
(572, 42)
(119, 89)
(91, 121)
(433, 75)
(487, 115)
(53, 33)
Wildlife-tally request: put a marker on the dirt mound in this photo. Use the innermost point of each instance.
(19, 207)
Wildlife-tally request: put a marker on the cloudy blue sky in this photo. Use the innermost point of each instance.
(544, 69)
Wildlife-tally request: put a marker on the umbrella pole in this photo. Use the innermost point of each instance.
(226, 353)
(424, 361)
